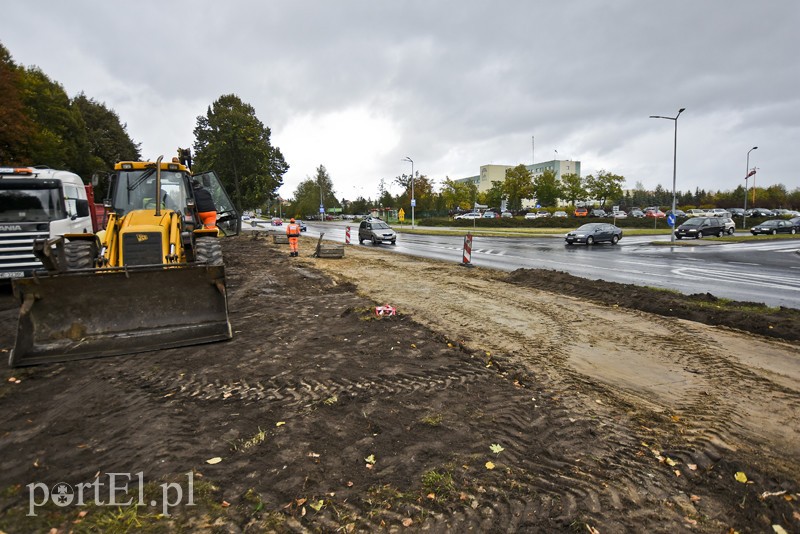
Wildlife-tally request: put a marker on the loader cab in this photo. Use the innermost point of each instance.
(133, 187)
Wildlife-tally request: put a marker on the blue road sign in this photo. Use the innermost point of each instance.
(671, 219)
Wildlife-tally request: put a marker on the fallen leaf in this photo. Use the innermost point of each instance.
(431, 496)
(82, 513)
(690, 521)
(349, 483)
(598, 401)
(489, 465)
(280, 423)
(12, 379)
(671, 462)
(676, 418)
(694, 498)
(677, 473)
(693, 467)
(317, 506)
(740, 477)
(474, 505)
(496, 448)
(413, 346)
(777, 528)
(214, 460)
(592, 530)
(300, 502)
(370, 459)
(225, 504)
(303, 511)
(407, 522)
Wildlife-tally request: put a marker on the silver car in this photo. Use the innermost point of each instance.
(377, 231)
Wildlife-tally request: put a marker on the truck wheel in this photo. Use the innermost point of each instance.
(79, 254)
(208, 250)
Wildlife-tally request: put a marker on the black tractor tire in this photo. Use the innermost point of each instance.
(208, 250)
(79, 254)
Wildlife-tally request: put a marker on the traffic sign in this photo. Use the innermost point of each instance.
(671, 219)
(413, 202)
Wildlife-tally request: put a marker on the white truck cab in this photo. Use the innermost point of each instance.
(37, 203)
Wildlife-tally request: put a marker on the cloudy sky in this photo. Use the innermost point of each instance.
(358, 85)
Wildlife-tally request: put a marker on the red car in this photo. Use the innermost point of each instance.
(277, 221)
(657, 214)
(581, 212)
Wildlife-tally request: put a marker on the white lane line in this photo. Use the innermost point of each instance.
(742, 263)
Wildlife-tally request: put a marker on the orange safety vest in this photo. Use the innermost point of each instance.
(293, 230)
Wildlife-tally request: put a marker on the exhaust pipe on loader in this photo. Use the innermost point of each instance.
(93, 313)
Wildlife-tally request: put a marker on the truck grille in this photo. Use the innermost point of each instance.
(16, 251)
(141, 248)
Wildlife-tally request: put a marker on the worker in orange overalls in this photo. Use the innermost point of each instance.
(204, 203)
(293, 233)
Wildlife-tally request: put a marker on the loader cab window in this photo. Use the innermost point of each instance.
(136, 189)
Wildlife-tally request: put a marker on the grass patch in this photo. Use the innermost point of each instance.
(257, 439)
(433, 419)
(440, 483)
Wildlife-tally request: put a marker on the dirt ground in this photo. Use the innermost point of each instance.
(492, 402)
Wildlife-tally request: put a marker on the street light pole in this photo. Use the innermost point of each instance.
(746, 176)
(413, 200)
(674, 163)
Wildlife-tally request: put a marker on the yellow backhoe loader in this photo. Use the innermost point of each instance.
(153, 278)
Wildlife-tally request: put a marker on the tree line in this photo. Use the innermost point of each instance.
(604, 189)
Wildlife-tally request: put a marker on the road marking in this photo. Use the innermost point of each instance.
(742, 263)
(787, 283)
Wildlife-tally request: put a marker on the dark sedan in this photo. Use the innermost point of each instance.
(594, 233)
(774, 226)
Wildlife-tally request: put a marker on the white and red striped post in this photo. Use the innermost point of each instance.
(347, 236)
(466, 258)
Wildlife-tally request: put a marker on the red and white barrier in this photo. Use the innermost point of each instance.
(347, 236)
(466, 258)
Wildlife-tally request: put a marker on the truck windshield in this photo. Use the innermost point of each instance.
(136, 190)
(18, 204)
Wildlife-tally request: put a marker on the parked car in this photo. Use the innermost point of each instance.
(699, 227)
(736, 212)
(507, 215)
(490, 215)
(277, 221)
(795, 222)
(597, 213)
(774, 226)
(636, 213)
(719, 212)
(376, 231)
(581, 212)
(531, 215)
(560, 214)
(697, 213)
(618, 215)
(594, 233)
(655, 214)
(678, 213)
(759, 212)
(729, 225)
(469, 215)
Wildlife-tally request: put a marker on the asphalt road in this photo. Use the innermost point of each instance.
(767, 271)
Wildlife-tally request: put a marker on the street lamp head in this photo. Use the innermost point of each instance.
(681, 110)
(755, 147)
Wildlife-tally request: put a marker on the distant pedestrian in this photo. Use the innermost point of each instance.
(293, 233)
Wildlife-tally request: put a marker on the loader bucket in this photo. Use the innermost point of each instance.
(107, 312)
